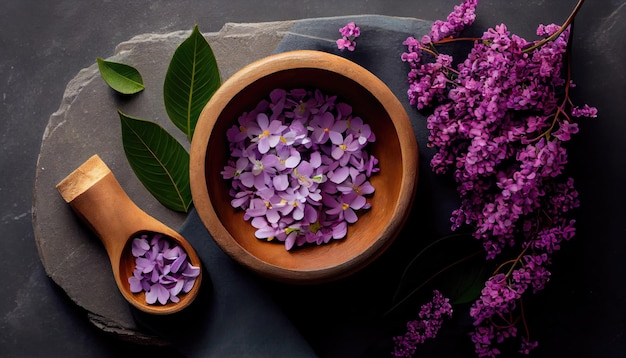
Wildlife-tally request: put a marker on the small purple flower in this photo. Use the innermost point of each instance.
(357, 183)
(527, 346)
(325, 127)
(140, 246)
(300, 109)
(267, 134)
(263, 170)
(344, 43)
(237, 134)
(348, 35)
(345, 148)
(278, 97)
(136, 281)
(350, 30)
(234, 169)
(256, 208)
(157, 292)
(241, 198)
(565, 131)
(288, 158)
(264, 229)
(296, 135)
(304, 173)
(360, 130)
(344, 206)
(586, 111)
(339, 230)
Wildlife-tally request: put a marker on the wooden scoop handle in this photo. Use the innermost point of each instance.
(97, 197)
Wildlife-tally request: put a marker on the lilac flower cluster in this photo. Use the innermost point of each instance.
(162, 269)
(499, 122)
(428, 81)
(431, 317)
(462, 16)
(299, 167)
(349, 33)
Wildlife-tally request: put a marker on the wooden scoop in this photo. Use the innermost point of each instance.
(96, 196)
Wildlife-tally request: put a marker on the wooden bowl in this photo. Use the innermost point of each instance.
(395, 184)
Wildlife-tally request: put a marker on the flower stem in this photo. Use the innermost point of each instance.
(430, 50)
(513, 263)
(561, 108)
(567, 22)
(523, 314)
(454, 39)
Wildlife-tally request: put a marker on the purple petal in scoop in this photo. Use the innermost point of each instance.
(162, 269)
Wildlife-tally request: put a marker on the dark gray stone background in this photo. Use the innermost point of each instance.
(43, 45)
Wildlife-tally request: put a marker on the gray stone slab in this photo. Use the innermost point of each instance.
(242, 307)
(87, 123)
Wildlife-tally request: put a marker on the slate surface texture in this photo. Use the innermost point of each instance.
(44, 44)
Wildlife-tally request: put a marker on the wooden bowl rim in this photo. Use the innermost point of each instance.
(288, 61)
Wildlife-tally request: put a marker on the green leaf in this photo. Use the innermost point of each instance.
(453, 264)
(123, 78)
(160, 162)
(466, 284)
(192, 78)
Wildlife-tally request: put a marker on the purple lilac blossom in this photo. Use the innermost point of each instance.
(499, 125)
(462, 16)
(348, 35)
(162, 269)
(431, 317)
(301, 171)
